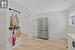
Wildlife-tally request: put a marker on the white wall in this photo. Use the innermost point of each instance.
(25, 17)
(57, 22)
(3, 29)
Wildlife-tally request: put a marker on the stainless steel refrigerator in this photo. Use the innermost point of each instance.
(43, 28)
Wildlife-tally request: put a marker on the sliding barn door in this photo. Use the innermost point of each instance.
(43, 28)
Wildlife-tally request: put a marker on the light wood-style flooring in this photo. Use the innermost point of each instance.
(39, 44)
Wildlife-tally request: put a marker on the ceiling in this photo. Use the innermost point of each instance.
(38, 6)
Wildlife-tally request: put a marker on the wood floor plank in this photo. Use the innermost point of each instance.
(38, 44)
